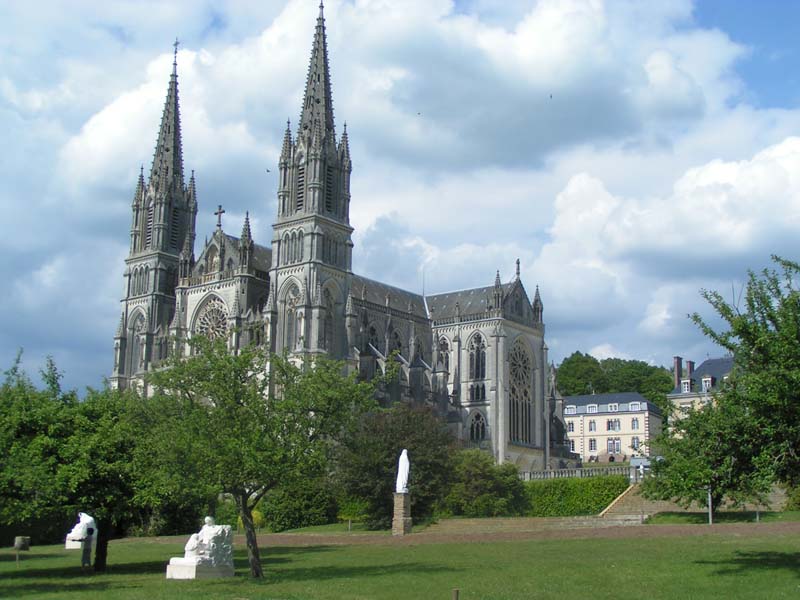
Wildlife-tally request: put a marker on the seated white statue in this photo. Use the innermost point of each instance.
(78, 533)
(212, 546)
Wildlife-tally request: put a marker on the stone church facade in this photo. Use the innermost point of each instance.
(477, 355)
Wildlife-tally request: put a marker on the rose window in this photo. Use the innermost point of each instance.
(213, 320)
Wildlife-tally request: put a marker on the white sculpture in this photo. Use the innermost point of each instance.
(402, 473)
(208, 553)
(75, 537)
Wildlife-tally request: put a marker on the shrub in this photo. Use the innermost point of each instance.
(483, 489)
(300, 503)
(792, 498)
(573, 496)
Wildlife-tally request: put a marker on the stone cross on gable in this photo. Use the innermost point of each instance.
(219, 212)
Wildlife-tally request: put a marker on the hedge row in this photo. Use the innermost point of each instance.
(573, 497)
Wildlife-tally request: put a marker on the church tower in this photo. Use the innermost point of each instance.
(312, 238)
(162, 235)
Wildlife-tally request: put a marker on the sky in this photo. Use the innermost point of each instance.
(628, 153)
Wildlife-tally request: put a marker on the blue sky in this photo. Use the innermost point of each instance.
(629, 153)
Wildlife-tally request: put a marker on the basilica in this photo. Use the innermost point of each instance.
(477, 355)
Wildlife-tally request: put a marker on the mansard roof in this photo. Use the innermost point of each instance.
(470, 302)
(716, 368)
(621, 399)
(376, 292)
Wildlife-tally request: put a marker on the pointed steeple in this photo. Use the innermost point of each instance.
(344, 148)
(497, 279)
(317, 100)
(168, 157)
(538, 307)
(286, 150)
(138, 196)
(246, 235)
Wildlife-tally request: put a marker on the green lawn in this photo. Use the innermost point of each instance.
(709, 566)
(699, 518)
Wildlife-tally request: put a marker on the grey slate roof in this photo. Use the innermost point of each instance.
(473, 301)
(623, 399)
(262, 255)
(716, 368)
(375, 292)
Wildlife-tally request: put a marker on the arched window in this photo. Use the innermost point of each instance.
(301, 186)
(477, 358)
(477, 428)
(300, 246)
(290, 322)
(146, 282)
(327, 327)
(149, 225)
(373, 337)
(444, 353)
(285, 249)
(293, 248)
(394, 342)
(521, 405)
(136, 344)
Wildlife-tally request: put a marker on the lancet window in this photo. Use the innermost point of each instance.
(477, 358)
(520, 399)
(477, 428)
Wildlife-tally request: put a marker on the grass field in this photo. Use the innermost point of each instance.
(698, 518)
(716, 565)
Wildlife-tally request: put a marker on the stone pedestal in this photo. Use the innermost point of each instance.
(401, 521)
(180, 569)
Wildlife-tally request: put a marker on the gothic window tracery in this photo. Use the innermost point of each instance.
(212, 320)
(477, 358)
(444, 353)
(136, 344)
(327, 328)
(477, 428)
(292, 298)
(520, 399)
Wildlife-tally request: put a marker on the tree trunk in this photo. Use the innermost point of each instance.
(253, 556)
(106, 531)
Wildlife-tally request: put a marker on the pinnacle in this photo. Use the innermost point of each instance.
(246, 236)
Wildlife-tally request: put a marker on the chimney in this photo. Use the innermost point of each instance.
(689, 368)
(677, 371)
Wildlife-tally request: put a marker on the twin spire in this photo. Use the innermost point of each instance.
(167, 169)
(317, 101)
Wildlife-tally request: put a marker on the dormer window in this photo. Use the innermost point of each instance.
(706, 384)
(591, 408)
(613, 407)
(686, 386)
(635, 406)
(570, 410)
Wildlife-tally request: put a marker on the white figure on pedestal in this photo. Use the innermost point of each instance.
(208, 553)
(403, 467)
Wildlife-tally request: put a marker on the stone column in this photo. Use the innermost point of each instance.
(401, 521)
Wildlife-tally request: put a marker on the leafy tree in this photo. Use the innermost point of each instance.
(716, 448)
(367, 461)
(581, 374)
(60, 456)
(763, 335)
(213, 422)
(482, 488)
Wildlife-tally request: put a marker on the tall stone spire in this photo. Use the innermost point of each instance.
(317, 101)
(167, 166)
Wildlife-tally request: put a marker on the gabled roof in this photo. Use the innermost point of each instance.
(621, 399)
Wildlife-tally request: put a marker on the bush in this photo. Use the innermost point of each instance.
(484, 489)
(573, 496)
(298, 504)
